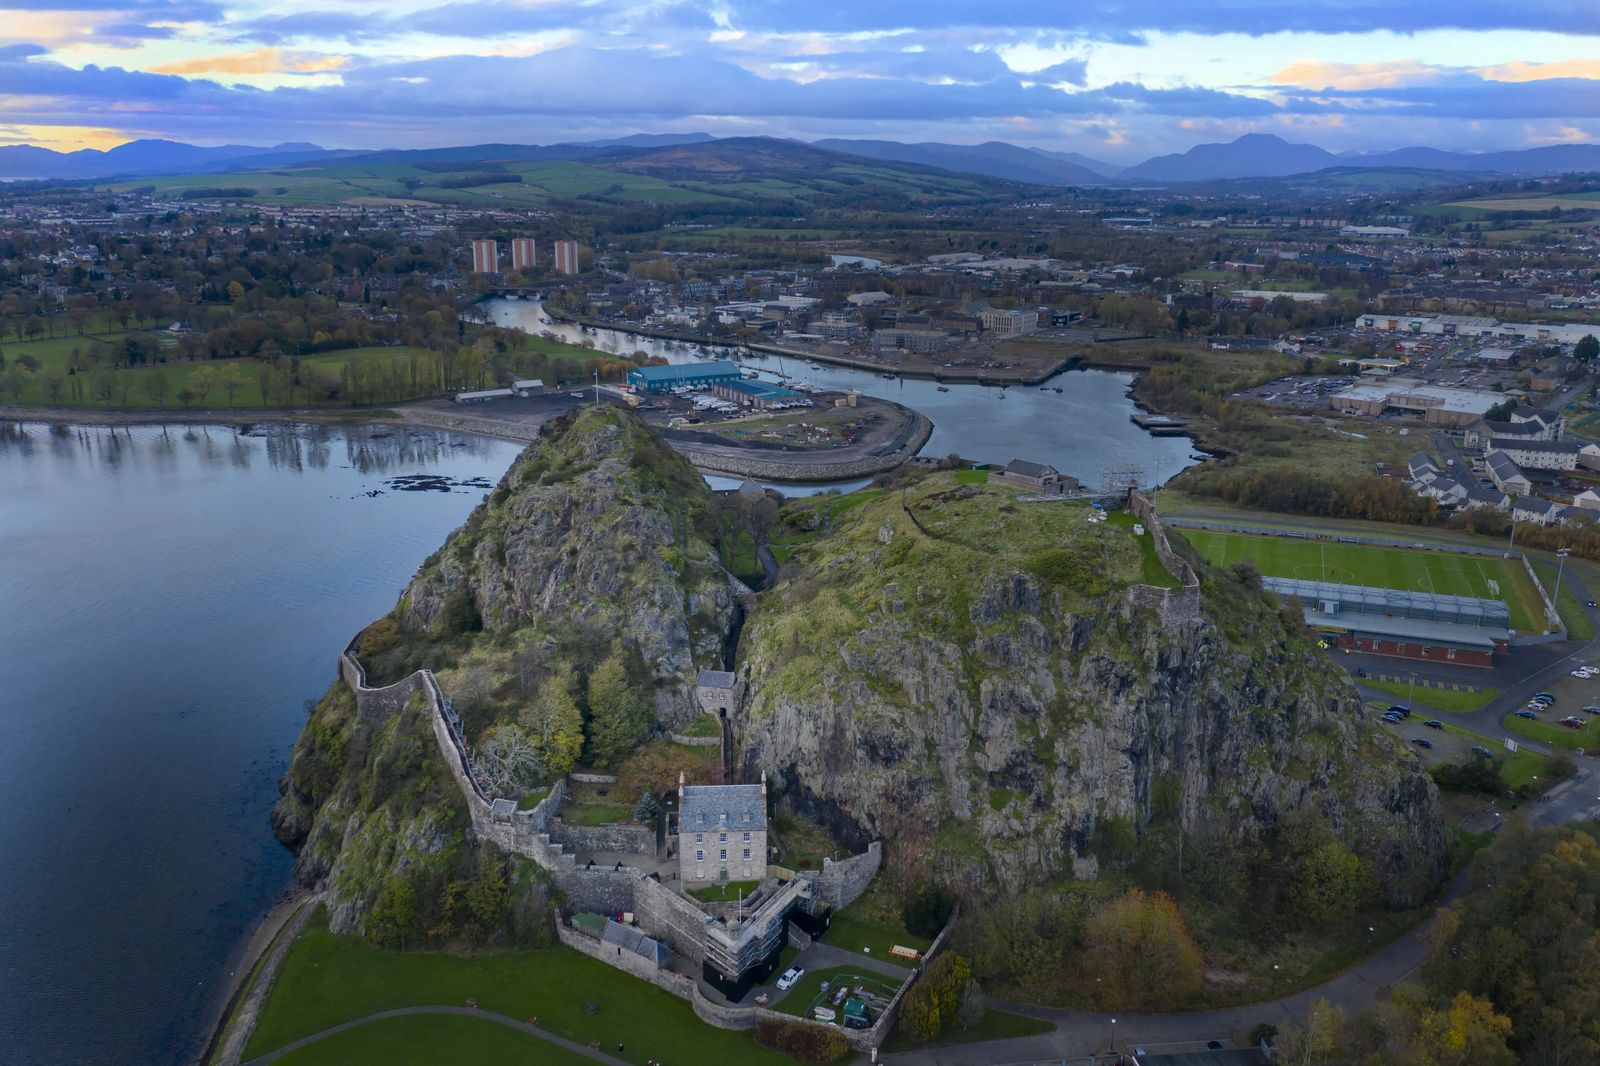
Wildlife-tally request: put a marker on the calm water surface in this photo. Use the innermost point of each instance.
(171, 597)
(1081, 430)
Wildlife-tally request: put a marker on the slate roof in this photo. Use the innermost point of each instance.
(704, 806)
(1028, 468)
(1553, 447)
(715, 679)
(1504, 466)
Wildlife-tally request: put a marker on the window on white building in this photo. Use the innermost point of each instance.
(747, 853)
(722, 853)
(699, 838)
(699, 855)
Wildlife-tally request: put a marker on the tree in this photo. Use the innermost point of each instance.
(555, 723)
(509, 760)
(1141, 951)
(1317, 1042)
(646, 809)
(1331, 883)
(1587, 348)
(619, 717)
(155, 386)
(393, 917)
(231, 380)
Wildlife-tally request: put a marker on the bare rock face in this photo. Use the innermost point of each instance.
(999, 720)
(595, 526)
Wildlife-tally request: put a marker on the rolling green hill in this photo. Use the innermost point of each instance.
(725, 173)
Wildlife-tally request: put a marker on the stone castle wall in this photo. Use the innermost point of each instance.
(667, 916)
(842, 883)
(630, 839)
(1175, 606)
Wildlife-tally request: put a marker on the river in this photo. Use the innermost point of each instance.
(1081, 430)
(171, 599)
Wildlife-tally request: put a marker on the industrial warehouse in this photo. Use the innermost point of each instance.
(683, 376)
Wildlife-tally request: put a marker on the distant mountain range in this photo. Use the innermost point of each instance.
(1263, 155)
(1255, 155)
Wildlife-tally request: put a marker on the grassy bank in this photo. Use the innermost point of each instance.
(330, 979)
(1440, 699)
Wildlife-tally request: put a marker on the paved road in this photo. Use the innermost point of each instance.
(470, 1012)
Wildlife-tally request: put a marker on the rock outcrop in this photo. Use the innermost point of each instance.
(594, 538)
(931, 678)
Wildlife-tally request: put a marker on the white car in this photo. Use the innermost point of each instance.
(789, 978)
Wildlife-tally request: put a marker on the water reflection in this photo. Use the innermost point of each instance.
(178, 592)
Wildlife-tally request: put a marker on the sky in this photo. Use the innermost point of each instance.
(1119, 80)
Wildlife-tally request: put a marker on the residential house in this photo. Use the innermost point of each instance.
(1507, 475)
(1536, 454)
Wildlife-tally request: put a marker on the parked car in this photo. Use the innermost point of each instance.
(1422, 742)
(1434, 723)
(1397, 709)
(790, 977)
(1544, 696)
(1479, 749)
(1572, 721)
(1529, 715)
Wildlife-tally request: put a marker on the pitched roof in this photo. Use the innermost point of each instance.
(1554, 447)
(1504, 466)
(704, 806)
(715, 679)
(1028, 468)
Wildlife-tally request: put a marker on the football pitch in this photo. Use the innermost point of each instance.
(1445, 573)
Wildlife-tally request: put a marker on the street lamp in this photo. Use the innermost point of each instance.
(1412, 691)
(1113, 1036)
(1561, 563)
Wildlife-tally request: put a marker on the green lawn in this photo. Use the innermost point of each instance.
(873, 922)
(703, 725)
(1446, 573)
(1152, 570)
(727, 892)
(595, 813)
(1556, 736)
(808, 993)
(329, 979)
(1521, 766)
(1572, 615)
(426, 1039)
(972, 477)
(1440, 699)
(995, 1025)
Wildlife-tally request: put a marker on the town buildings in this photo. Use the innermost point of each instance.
(683, 375)
(485, 256)
(566, 257)
(524, 253)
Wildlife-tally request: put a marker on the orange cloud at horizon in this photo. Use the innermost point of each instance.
(256, 61)
(64, 138)
(1518, 70)
(1316, 74)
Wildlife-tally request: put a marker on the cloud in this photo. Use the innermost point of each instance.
(257, 61)
(312, 25)
(1316, 74)
(1520, 71)
(1068, 72)
(1254, 17)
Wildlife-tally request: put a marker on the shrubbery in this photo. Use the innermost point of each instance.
(798, 1040)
